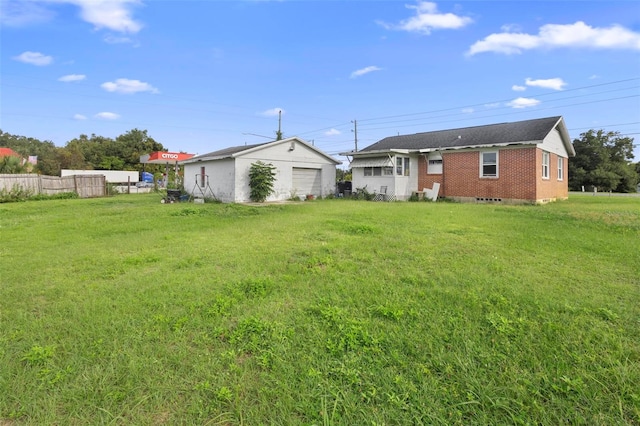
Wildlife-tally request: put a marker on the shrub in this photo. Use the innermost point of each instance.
(16, 193)
(261, 179)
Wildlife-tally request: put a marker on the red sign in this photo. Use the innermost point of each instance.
(164, 157)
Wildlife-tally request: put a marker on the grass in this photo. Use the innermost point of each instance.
(125, 311)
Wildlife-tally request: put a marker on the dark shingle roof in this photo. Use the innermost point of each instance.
(503, 133)
(227, 152)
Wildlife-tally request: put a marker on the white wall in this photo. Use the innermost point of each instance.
(229, 178)
(221, 179)
(400, 186)
(111, 176)
(553, 143)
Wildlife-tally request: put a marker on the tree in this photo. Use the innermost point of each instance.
(261, 179)
(11, 165)
(45, 151)
(603, 160)
(131, 145)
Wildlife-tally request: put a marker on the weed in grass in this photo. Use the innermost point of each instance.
(187, 211)
(256, 287)
(39, 355)
(220, 306)
(388, 312)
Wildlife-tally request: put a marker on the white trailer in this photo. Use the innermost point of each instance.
(111, 176)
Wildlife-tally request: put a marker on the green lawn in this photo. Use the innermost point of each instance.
(126, 311)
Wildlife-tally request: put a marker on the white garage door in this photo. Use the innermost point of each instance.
(307, 181)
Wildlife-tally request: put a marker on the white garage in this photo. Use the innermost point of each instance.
(301, 169)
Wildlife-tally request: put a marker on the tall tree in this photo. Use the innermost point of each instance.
(94, 149)
(45, 151)
(603, 160)
(131, 145)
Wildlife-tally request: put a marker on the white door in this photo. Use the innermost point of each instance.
(307, 181)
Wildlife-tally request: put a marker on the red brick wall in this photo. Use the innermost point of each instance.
(425, 180)
(519, 176)
(552, 188)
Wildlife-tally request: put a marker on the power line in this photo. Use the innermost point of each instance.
(500, 101)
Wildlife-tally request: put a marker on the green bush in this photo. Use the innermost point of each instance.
(261, 179)
(16, 193)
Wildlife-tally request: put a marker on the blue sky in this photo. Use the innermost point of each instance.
(204, 75)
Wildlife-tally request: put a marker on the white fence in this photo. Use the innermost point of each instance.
(86, 186)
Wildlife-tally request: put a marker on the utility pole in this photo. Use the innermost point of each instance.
(355, 133)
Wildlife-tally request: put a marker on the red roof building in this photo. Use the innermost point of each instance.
(8, 152)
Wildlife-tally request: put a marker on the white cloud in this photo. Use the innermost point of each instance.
(79, 117)
(273, 112)
(552, 36)
(520, 103)
(509, 28)
(427, 18)
(111, 39)
(115, 15)
(34, 58)
(124, 85)
(517, 88)
(363, 71)
(467, 110)
(72, 77)
(492, 105)
(20, 13)
(107, 115)
(551, 83)
(332, 132)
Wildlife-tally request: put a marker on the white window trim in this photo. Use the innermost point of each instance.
(405, 166)
(482, 175)
(560, 168)
(546, 165)
(434, 169)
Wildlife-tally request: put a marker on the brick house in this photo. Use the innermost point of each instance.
(519, 162)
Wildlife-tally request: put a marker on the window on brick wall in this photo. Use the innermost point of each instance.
(489, 164)
(545, 165)
(434, 164)
(560, 168)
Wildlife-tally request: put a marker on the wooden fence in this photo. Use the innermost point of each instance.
(86, 186)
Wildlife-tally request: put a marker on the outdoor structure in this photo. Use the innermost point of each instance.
(111, 176)
(168, 159)
(301, 169)
(519, 162)
(86, 186)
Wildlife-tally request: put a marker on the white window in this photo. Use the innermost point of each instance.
(545, 165)
(434, 164)
(402, 166)
(373, 171)
(489, 164)
(560, 168)
(387, 171)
